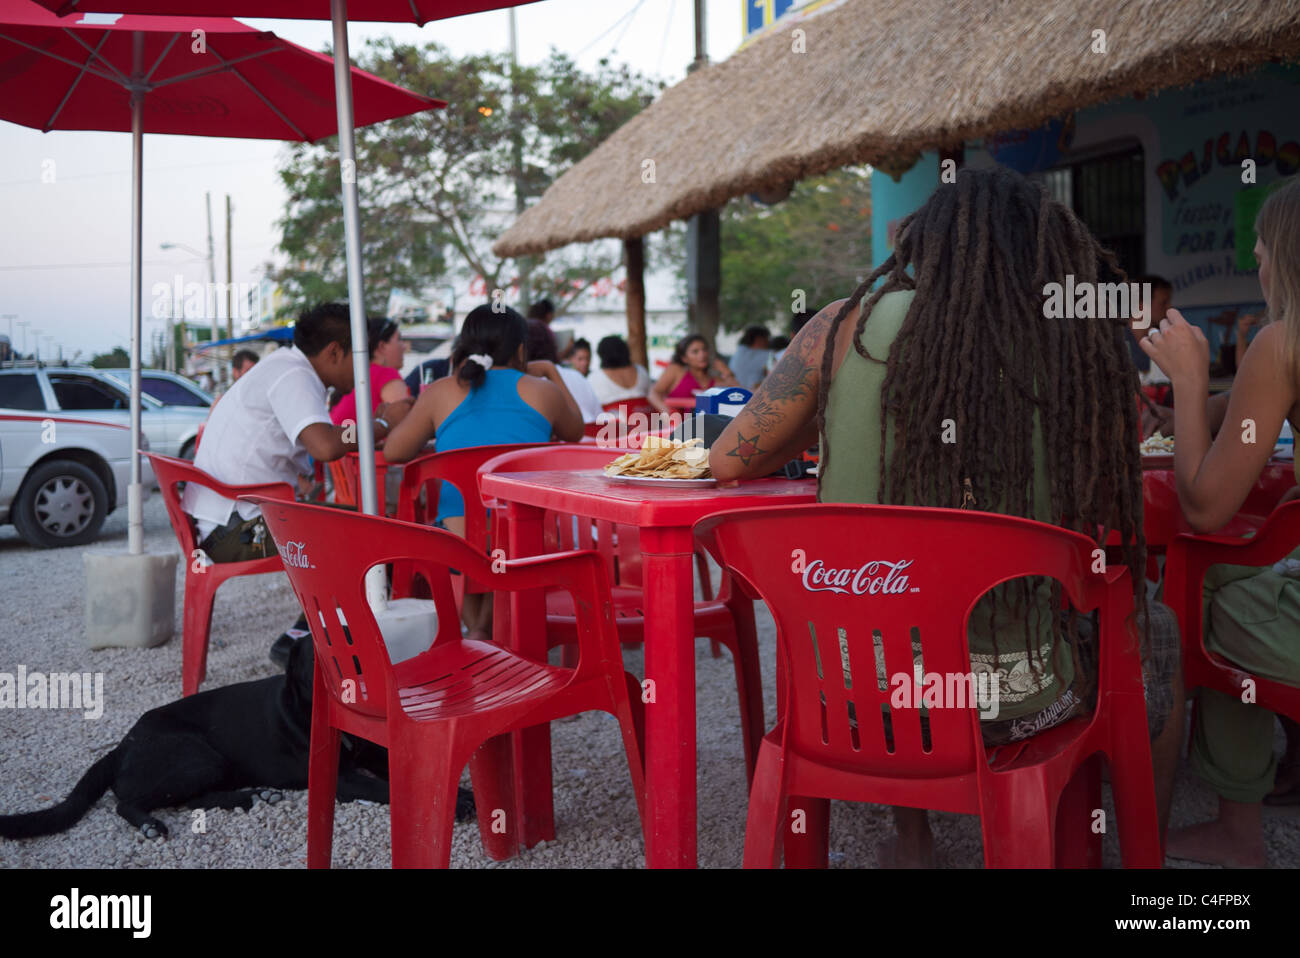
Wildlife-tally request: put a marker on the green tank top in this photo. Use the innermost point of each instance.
(853, 414)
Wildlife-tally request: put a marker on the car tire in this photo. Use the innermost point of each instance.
(187, 451)
(62, 503)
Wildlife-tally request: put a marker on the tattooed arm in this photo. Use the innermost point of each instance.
(781, 420)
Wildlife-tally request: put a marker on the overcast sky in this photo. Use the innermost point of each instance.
(64, 248)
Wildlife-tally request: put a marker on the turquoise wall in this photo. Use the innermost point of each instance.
(1193, 141)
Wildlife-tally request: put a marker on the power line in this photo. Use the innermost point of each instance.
(611, 29)
(176, 166)
(664, 45)
(631, 17)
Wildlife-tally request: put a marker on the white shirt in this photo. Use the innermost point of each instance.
(252, 434)
(608, 391)
(581, 392)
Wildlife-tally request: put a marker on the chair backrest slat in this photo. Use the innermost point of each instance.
(872, 605)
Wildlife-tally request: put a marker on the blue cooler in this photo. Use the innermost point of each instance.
(722, 400)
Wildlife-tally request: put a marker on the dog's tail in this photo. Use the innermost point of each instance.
(68, 812)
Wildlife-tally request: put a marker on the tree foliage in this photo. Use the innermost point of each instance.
(117, 358)
(438, 188)
(817, 240)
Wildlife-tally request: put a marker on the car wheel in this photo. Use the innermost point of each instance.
(187, 451)
(62, 503)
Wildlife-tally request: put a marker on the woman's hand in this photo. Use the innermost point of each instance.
(1181, 350)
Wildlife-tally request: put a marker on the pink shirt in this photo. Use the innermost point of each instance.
(380, 376)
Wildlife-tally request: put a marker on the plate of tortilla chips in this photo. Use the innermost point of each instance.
(664, 462)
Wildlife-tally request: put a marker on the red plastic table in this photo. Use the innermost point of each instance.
(1163, 517)
(664, 517)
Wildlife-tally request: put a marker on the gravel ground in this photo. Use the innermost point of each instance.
(44, 752)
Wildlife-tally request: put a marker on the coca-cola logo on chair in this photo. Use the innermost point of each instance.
(878, 577)
(295, 554)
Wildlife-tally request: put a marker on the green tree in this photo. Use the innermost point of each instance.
(437, 189)
(118, 358)
(816, 241)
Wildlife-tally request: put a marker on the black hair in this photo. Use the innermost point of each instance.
(541, 309)
(779, 343)
(799, 321)
(540, 343)
(379, 329)
(1157, 282)
(679, 351)
(490, 330)
(613, 353)
(581, 344)
(325, 324)
(753, 334)
(242, 357)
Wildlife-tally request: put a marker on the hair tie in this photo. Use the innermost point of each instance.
(484, 361)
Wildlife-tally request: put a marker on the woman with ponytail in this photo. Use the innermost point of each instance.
(493, 396)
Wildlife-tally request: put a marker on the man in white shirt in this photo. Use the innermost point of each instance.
(541, 345)
(269, 426)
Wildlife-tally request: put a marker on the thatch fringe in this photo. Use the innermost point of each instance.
(883, 79)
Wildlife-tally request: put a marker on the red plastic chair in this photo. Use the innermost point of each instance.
(1189, 558)
(450, 705)
(727, 620)
(1034, 802)
(417, 501)
(201, 583)
(623, 410)
(346, 473)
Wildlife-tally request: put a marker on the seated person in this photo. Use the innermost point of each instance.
(693, 369)
(494, 397)
(425, 373)
(749, 361)
(617, 379)
(384, 338)
(541, 345)
(266, 428)
(1253, 615)
(580, 358)
(970, 425)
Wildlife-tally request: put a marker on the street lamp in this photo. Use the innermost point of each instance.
(209, 257)
(13, 348)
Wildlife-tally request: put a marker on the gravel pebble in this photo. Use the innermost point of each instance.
(44, 752)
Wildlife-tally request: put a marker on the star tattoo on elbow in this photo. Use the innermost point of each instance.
(747, 448)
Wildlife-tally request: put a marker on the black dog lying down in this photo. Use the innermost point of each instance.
(218, 749)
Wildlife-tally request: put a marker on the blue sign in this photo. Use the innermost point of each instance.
(762, 13)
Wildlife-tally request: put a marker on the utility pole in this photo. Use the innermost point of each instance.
(230, 291)
(212, 279)
(517, 146)
(703, 234)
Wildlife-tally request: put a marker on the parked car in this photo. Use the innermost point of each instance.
(170, 389)
(60, 475)
(94, 394)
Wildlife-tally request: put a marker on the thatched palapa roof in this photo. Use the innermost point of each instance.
(882, 80)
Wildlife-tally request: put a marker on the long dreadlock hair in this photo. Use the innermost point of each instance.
(976, 347)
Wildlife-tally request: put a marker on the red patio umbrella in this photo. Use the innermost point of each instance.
(390, 11)
(157, 75)
(337, 11)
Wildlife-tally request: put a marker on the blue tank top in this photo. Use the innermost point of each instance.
(491, 414)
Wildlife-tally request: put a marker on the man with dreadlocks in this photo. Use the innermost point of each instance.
(949, 387)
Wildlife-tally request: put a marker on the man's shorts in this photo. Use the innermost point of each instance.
(1161, 652)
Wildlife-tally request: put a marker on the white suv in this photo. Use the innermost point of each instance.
(60, 475)
(86, 393)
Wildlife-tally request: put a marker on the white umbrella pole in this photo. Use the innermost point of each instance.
(135, 496)
(375, 580)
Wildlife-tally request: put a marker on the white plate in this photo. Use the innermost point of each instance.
(656, 481)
